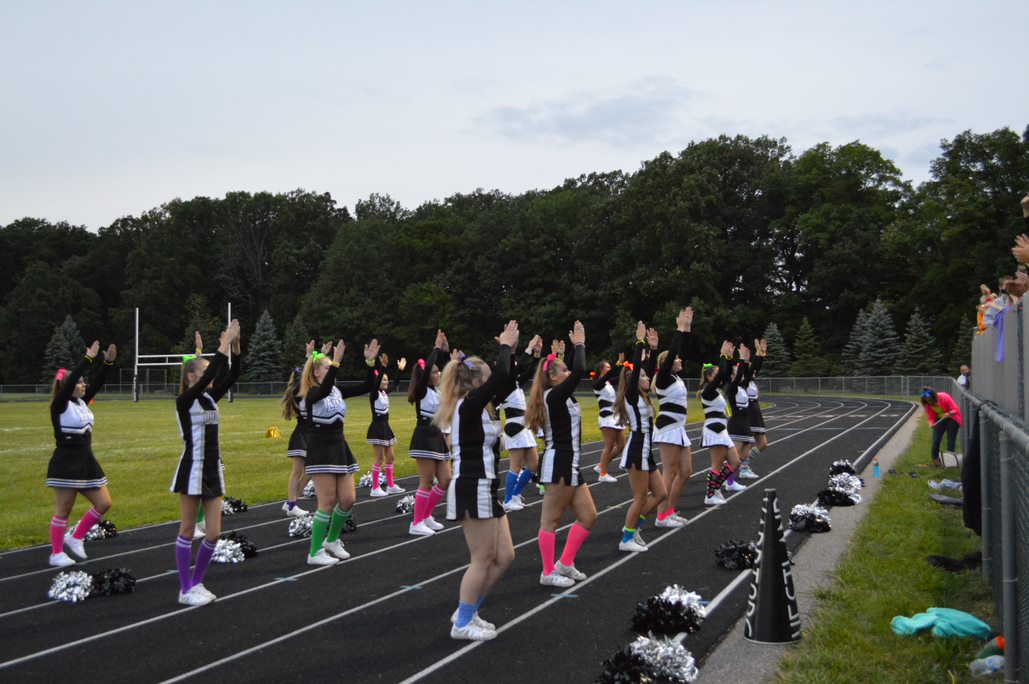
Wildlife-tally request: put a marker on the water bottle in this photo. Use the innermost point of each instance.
(985, 666)
(875, 468)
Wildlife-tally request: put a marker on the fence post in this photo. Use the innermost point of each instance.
(1009, 586)
(985, 456)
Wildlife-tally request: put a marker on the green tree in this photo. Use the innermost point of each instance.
(58, 354)
(264, 353)
(860, 340)
(807, 353)
(919, 354)
(779, 362)
(962, 353)
(879, 357)
(294, 342)
(72, 336)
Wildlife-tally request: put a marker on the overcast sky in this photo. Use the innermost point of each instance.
(113, 108)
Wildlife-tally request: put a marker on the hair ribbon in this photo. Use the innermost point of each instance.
(316, 355)
(61, 373)
(546, 363)
(421, 363)
(186, 358)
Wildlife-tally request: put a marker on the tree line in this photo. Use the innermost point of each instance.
(829, 252)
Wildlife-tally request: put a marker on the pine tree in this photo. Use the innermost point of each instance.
(778, 361)
(58, 355)
(879, 357)
(295, 339)
(962, 345)
(808, 359)
(857, 344)
(919, 354)
(73, 337)
(264, 354)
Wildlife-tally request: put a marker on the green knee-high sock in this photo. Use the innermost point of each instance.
(319, 526)
(200, 514)
(339, 519)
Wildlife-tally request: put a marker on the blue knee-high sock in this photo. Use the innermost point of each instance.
(465, 613)
(509, 486)
(524, 478)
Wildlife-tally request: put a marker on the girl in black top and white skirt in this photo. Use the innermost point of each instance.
(73, 468)
(670, 426)
(634, 407)
(330, 462)
(724, 459)
(553, 407)
(198, 478)
(380, 434)
(466, 388)
(429, 447)
(739, 421)
(296, 451)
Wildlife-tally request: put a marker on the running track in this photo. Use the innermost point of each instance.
(384, 614)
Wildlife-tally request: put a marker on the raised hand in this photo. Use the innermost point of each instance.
(441, 340)
(509, 336)
(560, 347)
(93, 349)
(198, 342)
(371, 350)
(327, 347)
(652, 337)
(455, 354)
(577, 334)
(684, 320)
(111, 354)
(744, 353)
(383, 360)
(641, 331)
(535, 343)
(555, 345)
(727, 349)
(338, 350)
(1021, 249)
(621, 358)
(402, 364)
(308, 349)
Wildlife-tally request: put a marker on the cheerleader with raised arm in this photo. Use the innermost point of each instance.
(633, 406)
(519, 441)
(296, 451)
(429, 447)
(605, 387)
(73, 469)
(466, 388)
(670, 426)
(330, 463)
(380, 434)
(198, 478)
(724, 459)
(757, 420)
(553, 407)
(739, 420)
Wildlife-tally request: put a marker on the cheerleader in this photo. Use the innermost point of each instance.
(757, 421)
(553, 407)
(330, 463)
(429, 447)
(670, 426)
(739, 420)
(724, 458)
(605, 386)
(466, 388)
(296, 451)
(198, 477)
(73, 468)
(519, 442)
(633, 406)
(380, 434)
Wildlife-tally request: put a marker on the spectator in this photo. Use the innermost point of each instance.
(985, 298)
(965, 378)
(944, 417)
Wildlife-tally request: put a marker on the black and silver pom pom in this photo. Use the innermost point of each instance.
(71, 586)
(672, 611)
(301, 527)
(405, 504)
(365, 481)
(807, 518)
(231, 506)
(227, 551)
(308, 489)
(350, 525)
(842, 466)
(651, 660)
(624, 667)
(842, 490)
(105, 529)
(112, 581)
(736, 554)
(245, 545)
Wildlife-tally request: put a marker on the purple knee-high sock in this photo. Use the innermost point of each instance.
(203, 560)
(183, 554)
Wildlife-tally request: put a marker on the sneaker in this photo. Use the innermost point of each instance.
(519, 499)
(61, 560)
(195, 597)
(75, 546)
(335, 549)
(200, 530)
(631, 546)
(746, 474)
(716, 500)
(607, 477)
(679, 518)
(670, 521)
(297, 511)
(321, 558)
(476, 620)
(420, 529)
(472, 632)
(431, 523)
(569, 571)
(638, 539)
(377, 492)
(555, 579)
(513, 505)
(203, 590)
(395, 489)
(735, 487)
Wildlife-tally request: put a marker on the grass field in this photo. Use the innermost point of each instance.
(138, 446)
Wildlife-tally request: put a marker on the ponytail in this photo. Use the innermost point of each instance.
(307, 379)
(412, 390)
(193, 365)
(535, 409)
(459, 378)
(621, 413)
(290, 410)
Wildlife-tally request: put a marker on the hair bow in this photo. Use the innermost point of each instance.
(546, 363)
(628, 364)
(187, 358)
(61, 372)
(421, 363)
(464, 359)
(927, 394)
(708, 365)
(316, 355)
(593, 375)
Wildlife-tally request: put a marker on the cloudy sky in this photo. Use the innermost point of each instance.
(113, 108)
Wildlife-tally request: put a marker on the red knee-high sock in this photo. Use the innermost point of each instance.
(576, 536)
(57, 527)
(92, 517)
(547, 542)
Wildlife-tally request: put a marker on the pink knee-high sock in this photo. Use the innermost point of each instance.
(547, 542)
(376, 472)
(576, 536)
(92, 517)
(389, 474)
(57, 527)
(421, 504)
(662, 515)
(435, 496)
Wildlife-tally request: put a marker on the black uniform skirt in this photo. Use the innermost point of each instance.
(739, 427)
(474, 498)
(380, 433)
(298, 441)
(328, 453)
(638, 453)
(427, 441)
(556, 467)
(75, 467)
(757, 421)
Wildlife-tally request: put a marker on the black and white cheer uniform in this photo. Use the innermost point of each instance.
(739, 421)
(297, 447)
(605, 389)
(516, 435)
(563, 429)
(427, 440)
(325, 407)
(73, 464)
(757, 420)
(638, 451)
(715, 432)
(379, 432)
(670, 426)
